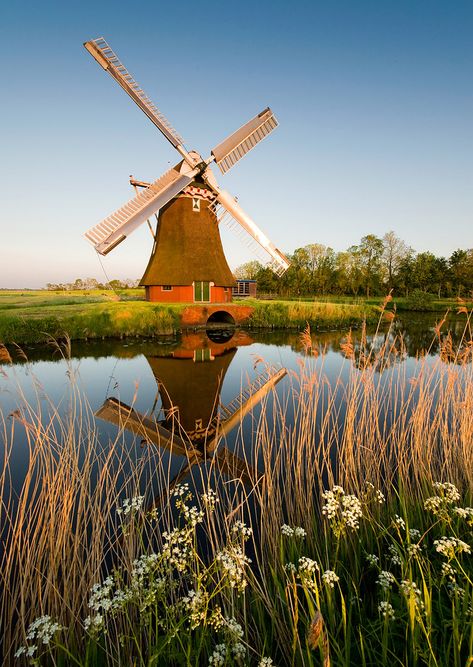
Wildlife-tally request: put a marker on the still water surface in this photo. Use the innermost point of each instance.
(192, 373)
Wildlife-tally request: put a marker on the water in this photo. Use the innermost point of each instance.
(192, 378)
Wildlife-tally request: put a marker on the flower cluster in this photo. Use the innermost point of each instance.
(372, 559)
(307, 571)
(219, 656)
(344, 511)
(440, 505)
(177, 548)
(451, 546)
(131, 505)
(330, 578)
(386, 610)
(465, 513)
(395, 557)
(210, 499)
(399, 522)
(241, 529)
(297, 531)
(372, 492)
(385, 579)
(233, 562)
(412, 593)
(196, 604)
(448, 491)
(40, 632)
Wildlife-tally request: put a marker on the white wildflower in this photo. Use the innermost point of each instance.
(299, 532)
(385, 579)
(210, 499)
(307, 570)
(448, 491)
(465, 513)
(177, 548)
(196, 603)
(412, 592)
(450, 546)
(94, 624)
(307, 565)
(239, 651)
(218, 657)
(414, 550)
(399, 522)
(181, 490)
(233, 562)
(234, 628)
(131, 505)
(330, 578)
(240, 528)
(266, 662)
(372, 559)
(286, 530)
(448, 571)
(343, 511)
(386, 610)
(414, 534)
(395, 557)
(455, 590)
(290, 568)
(216, 619)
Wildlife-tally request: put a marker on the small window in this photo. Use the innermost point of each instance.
(166, 288)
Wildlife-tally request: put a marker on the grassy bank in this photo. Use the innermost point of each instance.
(378, 572)
(35, 317)
(320, 316)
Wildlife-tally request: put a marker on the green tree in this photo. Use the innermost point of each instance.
(370, 253)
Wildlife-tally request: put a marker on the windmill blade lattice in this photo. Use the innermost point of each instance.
(102, 52)
(113, 230)
(238, 144)
(261, 253)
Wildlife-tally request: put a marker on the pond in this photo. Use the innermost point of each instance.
(193, 384)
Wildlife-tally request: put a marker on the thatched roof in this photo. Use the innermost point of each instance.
(188, 247)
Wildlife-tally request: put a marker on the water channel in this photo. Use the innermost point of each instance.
(198, 380)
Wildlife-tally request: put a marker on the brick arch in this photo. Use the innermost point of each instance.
(196, 316)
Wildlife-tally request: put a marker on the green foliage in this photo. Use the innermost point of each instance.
(319, 315)
(419, 300)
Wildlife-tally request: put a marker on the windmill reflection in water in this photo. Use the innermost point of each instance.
(194, 420)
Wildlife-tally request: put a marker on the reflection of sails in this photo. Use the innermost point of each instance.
(189, 383)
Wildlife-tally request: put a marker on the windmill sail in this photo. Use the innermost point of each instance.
(238, 144)
(107, 59)
(113, 230)
(231, 214)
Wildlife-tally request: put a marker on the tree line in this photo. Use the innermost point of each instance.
(373, 267)
(92, 284)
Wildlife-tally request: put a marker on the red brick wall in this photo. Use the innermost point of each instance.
(198, 315)
(185, 294)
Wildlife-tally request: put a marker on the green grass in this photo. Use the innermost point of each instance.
(295, 314)
(37, 316)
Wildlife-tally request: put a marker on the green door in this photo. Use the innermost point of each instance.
(201, 291)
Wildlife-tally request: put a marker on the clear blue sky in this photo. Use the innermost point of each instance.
(374, 100)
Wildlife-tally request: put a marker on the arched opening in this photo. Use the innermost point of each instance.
(220, 318)
(220, 327)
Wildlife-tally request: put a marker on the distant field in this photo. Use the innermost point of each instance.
(36, 316)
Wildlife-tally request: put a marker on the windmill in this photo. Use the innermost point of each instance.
(187, 261)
